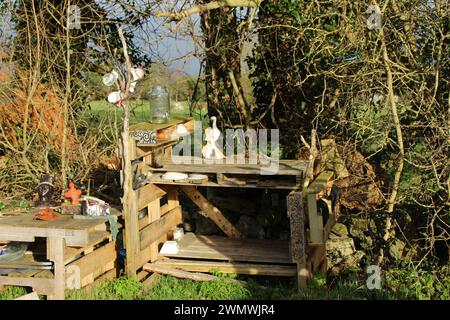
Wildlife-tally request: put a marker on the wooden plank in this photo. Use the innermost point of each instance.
(228, 249)
(24, 228)
(43, 286)
(316, 230)
(147, 194)
(187, 275)
(86, 269)
(320, 183)
(281, 184)
(173, 200)
(56, 254)
(230, 166)
(30, 296)
(72, 253)
(155, 230)
(234, 268)
(150, 281)
(212, 212)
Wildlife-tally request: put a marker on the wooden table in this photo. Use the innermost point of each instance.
(62, 232)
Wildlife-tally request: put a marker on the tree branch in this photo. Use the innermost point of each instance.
(177, 16)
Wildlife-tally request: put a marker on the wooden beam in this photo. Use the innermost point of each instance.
(320, 183)
(185, 274)
(43, 286)
(56, 254)
(211, 211)
(131, 235)
(232, 267)
(150, 281)
(88, 268)
(316, 229)
(155, 230)
(148, 194)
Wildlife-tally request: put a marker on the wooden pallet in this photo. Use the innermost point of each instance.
(228, 249)
(25, 228)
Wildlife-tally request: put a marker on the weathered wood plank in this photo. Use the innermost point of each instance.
(316, 230)
(56, 254)
(155, 230)
(234, 268)
(230, 166)
(228, 249)
(89, 267)
(186, 275)
(148, 194)
(43, 286)
(212, 212)
(320, 183)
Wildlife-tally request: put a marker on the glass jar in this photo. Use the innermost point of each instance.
(159, 104)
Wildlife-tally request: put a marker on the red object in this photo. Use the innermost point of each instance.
(46, 214)
(73, 193)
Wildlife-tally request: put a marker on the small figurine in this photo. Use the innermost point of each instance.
(73, 193)
(211, 149)
(45, 191)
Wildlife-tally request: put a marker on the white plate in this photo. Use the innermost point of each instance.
(197, 176)
(174, 176)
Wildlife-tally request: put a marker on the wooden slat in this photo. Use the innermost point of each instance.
(56, 248)
(155, 230)
(320, 183)
(71, 253)
(276, 184)
(212, 212)
(228, 249)
(316, 230)
(94, 264)
(235, 268)
(147, 194)
(187, 275)
(43, 286)
(230, 166)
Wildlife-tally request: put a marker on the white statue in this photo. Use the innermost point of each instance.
(211, 150)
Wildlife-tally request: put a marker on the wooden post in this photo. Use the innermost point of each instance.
(298, 241)
(55, 250)
(315, 220)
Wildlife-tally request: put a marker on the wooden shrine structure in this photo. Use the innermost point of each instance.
(158, 213)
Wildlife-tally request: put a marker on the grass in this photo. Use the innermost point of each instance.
(97, 111)
(400, 283)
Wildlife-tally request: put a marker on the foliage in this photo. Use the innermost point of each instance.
(118, 289)
(12, 293)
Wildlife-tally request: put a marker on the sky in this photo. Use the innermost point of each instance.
(173, 48)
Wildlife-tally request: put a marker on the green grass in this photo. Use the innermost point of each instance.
(97, 111)
(12, 293)
(405, 283)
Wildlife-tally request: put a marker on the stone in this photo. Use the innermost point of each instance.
(396, 249)
(204, 226)
(339, 249)
(340, 230)
(250, 227)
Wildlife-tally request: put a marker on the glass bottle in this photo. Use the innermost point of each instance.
(159, 104)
